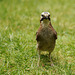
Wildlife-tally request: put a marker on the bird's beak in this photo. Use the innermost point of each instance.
(46, 17)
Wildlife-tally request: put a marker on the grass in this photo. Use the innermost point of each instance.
(19, 21)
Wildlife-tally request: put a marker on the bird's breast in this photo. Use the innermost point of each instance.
(46, 33)
(47, 40)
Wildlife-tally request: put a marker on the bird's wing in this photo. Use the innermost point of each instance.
(38, 34)
(55, 33)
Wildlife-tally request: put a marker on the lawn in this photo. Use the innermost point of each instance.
(19, 21)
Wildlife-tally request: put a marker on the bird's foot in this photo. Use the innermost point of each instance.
(51, 64)
(38, 64)
(43, 65)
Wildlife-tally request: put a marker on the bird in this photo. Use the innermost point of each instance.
(46, 36)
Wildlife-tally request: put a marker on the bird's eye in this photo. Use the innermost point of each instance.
(42, 15)
(49, 15)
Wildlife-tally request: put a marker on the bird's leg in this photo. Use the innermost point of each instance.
(50, 59)
(49, 55)
(39, 58)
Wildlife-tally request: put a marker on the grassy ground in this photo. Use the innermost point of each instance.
(19, 21)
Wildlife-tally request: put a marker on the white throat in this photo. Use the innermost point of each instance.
(45, 23)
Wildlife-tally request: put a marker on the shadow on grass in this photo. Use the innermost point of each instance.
(45, 61)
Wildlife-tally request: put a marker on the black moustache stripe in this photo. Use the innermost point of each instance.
(44, 18)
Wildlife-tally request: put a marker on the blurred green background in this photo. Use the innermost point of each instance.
(19, 21)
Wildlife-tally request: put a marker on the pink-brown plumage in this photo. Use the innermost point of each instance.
(46, 36)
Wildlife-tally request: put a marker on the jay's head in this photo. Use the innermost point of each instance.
(45, 16)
